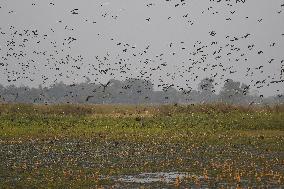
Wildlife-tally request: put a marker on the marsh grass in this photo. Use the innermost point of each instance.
(122, 109)
(86, 145)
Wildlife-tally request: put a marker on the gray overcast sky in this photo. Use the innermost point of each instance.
(176, 39)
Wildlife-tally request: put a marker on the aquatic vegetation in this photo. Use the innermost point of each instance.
(193, 147)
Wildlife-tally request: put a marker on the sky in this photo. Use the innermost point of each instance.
(43, 42)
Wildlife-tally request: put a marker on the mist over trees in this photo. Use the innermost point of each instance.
(134, 91)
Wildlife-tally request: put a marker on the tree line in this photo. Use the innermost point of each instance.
(134, 91)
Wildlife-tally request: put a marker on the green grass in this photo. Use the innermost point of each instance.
(43, 147)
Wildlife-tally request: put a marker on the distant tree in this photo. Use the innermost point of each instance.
(23, 95)
(116, 91)
(57, 92)
(2, 89)
(171, 96)
(234, 93)
(206, 86)
(189, 96)
(137, 90)
(206, 90)
(10, 93)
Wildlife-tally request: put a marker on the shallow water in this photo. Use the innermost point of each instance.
(146, 178)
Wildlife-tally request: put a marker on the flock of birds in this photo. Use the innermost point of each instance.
(28, 53)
